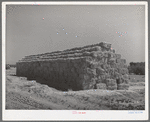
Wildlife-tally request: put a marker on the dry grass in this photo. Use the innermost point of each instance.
(137, 78)
(24, 94)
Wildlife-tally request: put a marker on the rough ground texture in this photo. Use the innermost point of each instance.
(91, 67)
(28, 94)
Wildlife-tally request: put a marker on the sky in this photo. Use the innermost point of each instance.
(36, 29)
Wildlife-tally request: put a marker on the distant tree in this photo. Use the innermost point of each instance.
(137, 68)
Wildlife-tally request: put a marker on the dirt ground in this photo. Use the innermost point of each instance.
(24, 94)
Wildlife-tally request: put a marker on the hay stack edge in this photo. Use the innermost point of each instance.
(90, 67)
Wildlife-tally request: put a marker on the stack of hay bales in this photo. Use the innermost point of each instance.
(82, 68)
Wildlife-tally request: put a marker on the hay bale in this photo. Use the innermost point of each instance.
(111, 55)
(90, 49)
(116, 74)
(94, 65)
(119, 80)
(105, 66)
(100, 71)
(113, 65)
(86, 53)
(100, 55)
(99, 80)
(105, 60)
(123, 86)
(101, 86)
(119, 70)
(118, 60)
(91, 72)
(112, 87)
(118, 56)
(111, 71)
(124, 71)
(105, 45)
(107, 76)
(93, 81)
(94, 54)
(97, 48)
(112, 60)
(106, 54)
(111, 82)
(103, 78)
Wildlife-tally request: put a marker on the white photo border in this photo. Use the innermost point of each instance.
(61, 115)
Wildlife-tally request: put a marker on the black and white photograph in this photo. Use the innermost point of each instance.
(75, 60)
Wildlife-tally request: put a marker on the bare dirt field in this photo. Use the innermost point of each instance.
(24, 94)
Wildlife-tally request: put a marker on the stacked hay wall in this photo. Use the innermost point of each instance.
(89, 67)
